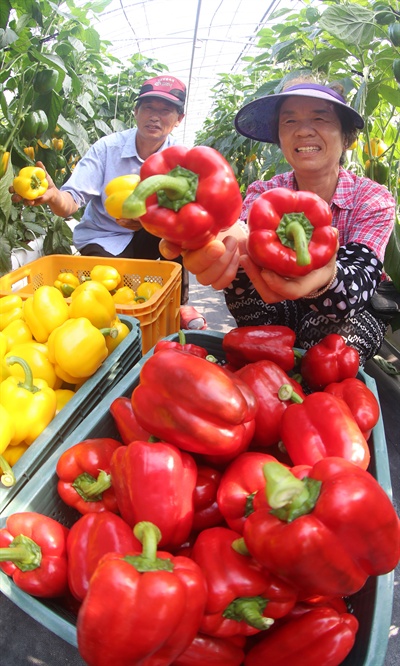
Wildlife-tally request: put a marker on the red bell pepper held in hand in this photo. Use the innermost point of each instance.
(159, 597)
(197, 196)
(190, 348)
(265, 378)
(84, 476)
(321, 636)
(125, 419)
(33, 552)
(330, 360)
(91, 537)
(243, 598)
(212, 651)
(194, 404)
(206, 509)
(248, 344)
(319, 426)
(360, 399)
(327, 533)
(290, 232)
(238, 487)
(155, 481)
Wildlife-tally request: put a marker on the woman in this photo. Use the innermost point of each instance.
(314, 127)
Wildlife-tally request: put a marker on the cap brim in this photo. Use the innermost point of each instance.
(170, 98)
(258, 119)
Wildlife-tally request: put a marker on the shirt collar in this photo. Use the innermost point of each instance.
(129, 149)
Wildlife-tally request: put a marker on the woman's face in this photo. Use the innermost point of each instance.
(310, 135)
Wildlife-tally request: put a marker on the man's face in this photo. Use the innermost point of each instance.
(156, 118)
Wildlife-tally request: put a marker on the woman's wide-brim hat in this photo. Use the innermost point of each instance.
(258, 120)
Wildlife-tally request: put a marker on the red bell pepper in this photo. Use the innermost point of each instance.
(290, 232)
(155, 481)
(265, 378)
(92, 536)
(330, 360)
(320, 636)
(206, 509)
(125, 419)
(212, 651)
(194, 404)
(33, 552)
(238, 486)
(360, 399)
(326, 533)
(190, 348)
(158, 597)
(243, 598)
(84, 475)
(197, 196)
(248, 344)
(319, 426)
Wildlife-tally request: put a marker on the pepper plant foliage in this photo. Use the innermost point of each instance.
(347, 42)
(91, 95)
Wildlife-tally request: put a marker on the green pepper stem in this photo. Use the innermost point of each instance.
(249, 610)
(27, 383)
(149, 535)
(90, 488)
(239, 545)
(182, 337)
(23, 552)
(288, 496)
(135, 205)
(295, 231)
(287, 392)
(112, 332)
(7, 477)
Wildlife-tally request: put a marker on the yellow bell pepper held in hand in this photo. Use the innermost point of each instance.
(66, 283)
(11, 308)
(31, 403)
(45, 311)
(31, 183)
(117, 191)
(108, 276)
(16, 333)
(7, 432)
(36, 354)
(93, 301)
(77, 349)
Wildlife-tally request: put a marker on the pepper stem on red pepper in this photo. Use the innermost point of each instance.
(27, 382)
(288, 496)
(295, 231)
(23, 552)
(287, 392)
(149, 535)
(7, 477)
(249, 610)
(90, 488)
(174, 190)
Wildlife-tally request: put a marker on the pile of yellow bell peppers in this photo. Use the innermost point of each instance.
(48, 349)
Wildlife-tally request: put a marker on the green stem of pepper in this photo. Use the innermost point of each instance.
(23, 552)
(249, 610)
(7, 477)
(174, 190)
(90, 488)
(149, 535)
(295, 231)
(288, 496)
(27, 383)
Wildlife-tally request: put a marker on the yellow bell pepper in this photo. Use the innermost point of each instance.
(36, 354)
(124, 296)
(45, 311)
(31, 183)
(66, 283)
(4, 372)
(13, 453)
(31, 403)
(93, 301)
(146, 290)
(106, 275)
(4, 157)
(30, 152)
(7, 433)
(58, 144)
(63, 397)
(77, 349)
(122, 329)
(16, 333)
(11, 308)
(117, 191)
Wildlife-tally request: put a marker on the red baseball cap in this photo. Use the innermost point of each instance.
(165, 86)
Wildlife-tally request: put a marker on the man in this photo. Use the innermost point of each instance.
(158, 111)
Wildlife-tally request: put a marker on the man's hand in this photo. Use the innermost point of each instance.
(133, 225)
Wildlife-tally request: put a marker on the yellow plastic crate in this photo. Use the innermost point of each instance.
(158, 317)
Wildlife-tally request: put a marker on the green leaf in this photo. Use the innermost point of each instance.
(392, 256)
(5, 197)
(390, 94)
(5, 256)
(350, 23)
(327, 56)
(5, 8)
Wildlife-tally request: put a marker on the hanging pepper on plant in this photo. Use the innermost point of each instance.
(162, 596)
(290, 232)
(186, 196)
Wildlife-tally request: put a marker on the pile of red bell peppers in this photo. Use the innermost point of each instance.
(229, 521)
